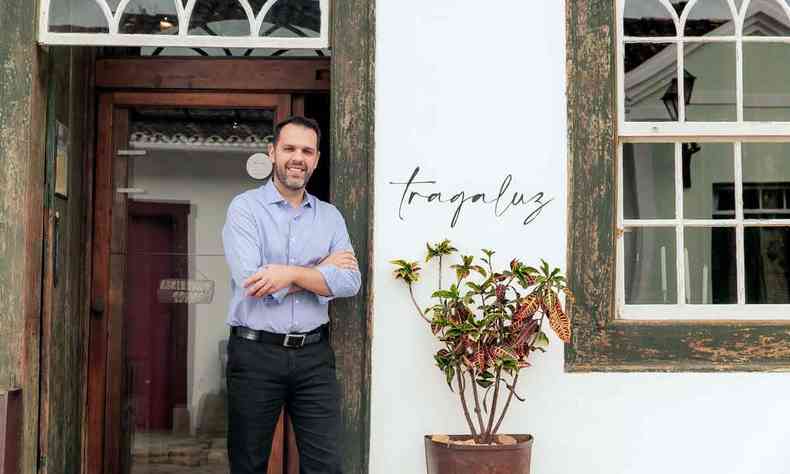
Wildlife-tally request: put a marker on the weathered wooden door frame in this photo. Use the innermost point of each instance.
(352, 145)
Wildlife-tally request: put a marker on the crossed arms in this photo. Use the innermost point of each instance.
(336, 275)
(274, 278)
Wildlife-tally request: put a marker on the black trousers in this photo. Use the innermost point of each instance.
(262, 378)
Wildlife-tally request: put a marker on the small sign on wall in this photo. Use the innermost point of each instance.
(183, 291)
(62, 161)
(259, 166)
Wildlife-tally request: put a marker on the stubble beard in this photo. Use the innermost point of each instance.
(294, 184)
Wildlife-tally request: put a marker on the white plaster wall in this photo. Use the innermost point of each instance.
(472, 91)
(207, 181)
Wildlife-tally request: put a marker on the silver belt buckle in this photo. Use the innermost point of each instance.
(290, 338)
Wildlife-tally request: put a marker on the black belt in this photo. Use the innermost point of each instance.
(294, 340)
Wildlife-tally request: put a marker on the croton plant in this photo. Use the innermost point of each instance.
(489, 322)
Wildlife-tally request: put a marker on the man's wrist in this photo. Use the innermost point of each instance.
(295, 273)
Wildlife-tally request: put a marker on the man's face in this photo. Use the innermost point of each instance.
(295, 156)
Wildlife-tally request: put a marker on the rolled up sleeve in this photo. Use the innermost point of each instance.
(342, 283)
(277, 297)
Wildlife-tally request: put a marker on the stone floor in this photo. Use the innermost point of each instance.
(165, 453)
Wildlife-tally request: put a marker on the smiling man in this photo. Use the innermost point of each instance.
(289, 254)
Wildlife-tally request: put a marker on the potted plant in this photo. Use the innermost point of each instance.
(488, 321)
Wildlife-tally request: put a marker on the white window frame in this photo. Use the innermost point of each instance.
(736, 133)
(182, 39)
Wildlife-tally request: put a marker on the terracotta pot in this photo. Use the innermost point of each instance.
(450, 458)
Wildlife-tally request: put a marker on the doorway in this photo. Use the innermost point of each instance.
(167, 166)
(156, 331)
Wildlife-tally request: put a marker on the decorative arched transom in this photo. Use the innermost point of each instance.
(282, 24)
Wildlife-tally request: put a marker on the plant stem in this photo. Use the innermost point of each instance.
(440, 272)
(461, 390)
(478, 412)
(488, 435)
(507, 405)
(414, 300)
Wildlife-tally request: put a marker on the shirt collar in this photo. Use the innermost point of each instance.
(272, 196)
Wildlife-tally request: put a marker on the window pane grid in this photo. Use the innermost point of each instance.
(671, 91)
(693, 287)
(756, 23)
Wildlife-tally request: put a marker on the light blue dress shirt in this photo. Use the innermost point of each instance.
(263, 228)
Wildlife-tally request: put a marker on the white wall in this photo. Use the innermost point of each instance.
(472, 91)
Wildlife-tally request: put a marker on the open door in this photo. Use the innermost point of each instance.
(167, 166)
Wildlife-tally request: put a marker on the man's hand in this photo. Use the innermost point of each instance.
(270, 280)
(345, 260)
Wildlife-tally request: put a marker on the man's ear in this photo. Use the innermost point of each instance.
(271, 151)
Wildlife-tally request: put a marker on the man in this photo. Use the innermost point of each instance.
(289, 254)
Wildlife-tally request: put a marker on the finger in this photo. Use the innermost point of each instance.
(257, 286)
(265, 290)
(252, 279)
(350, 266)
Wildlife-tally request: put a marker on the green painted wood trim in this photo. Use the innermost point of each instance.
(601, 343)
(353, 50)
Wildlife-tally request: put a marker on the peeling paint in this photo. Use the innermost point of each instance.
(600, 343)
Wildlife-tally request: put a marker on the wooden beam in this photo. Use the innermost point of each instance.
(22, 112)
(352, 142)
(249, 74)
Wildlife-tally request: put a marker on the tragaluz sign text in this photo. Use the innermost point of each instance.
(417, 190)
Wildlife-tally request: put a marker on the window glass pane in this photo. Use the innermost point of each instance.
(709, 18)
(766, 180)
(708, 177)
(219, 18)
(650, 72)
(710, 265)
(649, 181)
(766, 18)
(149, 17)
(767, 252)
(710, 82)
(293, 19)
(650, 266)
(647, 18)
(177, 281)
(76, 16)
(766, 82)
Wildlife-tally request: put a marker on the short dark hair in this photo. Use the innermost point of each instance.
(302, 122)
